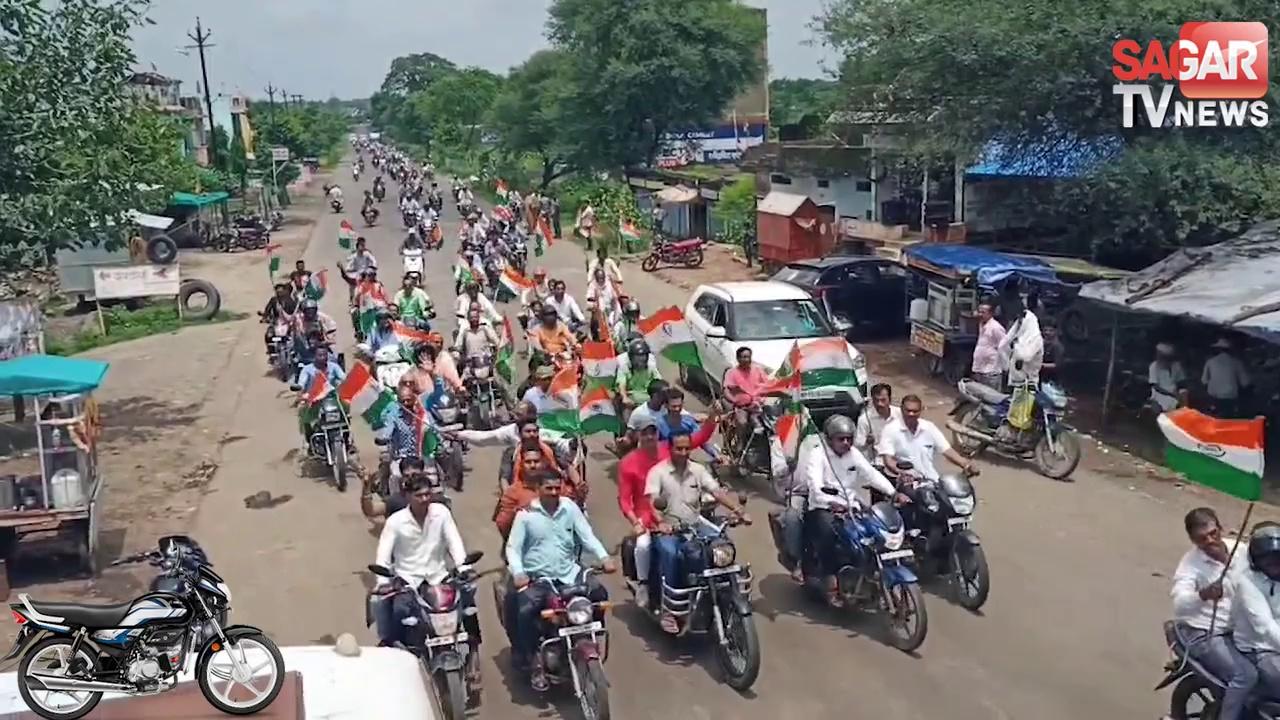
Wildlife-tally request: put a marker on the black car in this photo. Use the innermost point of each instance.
(861, 294)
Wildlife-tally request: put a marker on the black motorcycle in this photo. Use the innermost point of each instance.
(330, 438)
(1198, 692)
(435, 632)
(370, 215)
(71, 654)
(487, 408)
(937, 521)
(336, 204)
(752, 452)
(379, 191)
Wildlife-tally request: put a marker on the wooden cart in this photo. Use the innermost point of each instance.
(61, 503)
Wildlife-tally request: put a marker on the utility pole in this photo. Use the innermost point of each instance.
(271, 102)
(201, 40)
(297, 101)
(285, 94)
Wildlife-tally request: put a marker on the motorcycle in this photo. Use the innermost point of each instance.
(487, 409)
(717, 599)
(574, 642)
(756, 454)
(336, 204)
(390, 366)
(449, 413)
(448, 655)
(980, 424)
(71, 654)
(277, 220)
(1198, 692)
(689, 253)
(280, 353)
(370, 215)
(873, 572)
(519, 254)
(412, 258)
(330, 438)
(179, 553)
(379, 192)
(433, 236)
(937, 522)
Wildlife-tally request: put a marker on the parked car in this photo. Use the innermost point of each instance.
(860, 294)
(769, 317)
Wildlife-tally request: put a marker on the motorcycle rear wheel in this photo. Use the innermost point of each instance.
(595, 690)
(968, 446)
(1193, 698)
(694, 259)
(47, 647)
(1059, 465)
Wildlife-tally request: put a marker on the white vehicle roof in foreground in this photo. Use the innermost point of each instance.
(758, 290)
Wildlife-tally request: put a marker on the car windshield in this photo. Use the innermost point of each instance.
(798, 275)
(778, 320)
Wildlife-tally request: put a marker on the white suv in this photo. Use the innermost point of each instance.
(768, 317)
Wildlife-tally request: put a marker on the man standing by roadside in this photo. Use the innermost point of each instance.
(587, 224)
(1224, 376)
(986, 353)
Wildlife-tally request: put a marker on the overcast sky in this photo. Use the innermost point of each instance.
(342, 47)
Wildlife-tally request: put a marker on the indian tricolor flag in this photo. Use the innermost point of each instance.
(545, 235)
(599, 364)
(793, 427)
(628, 231)
(667, 334)
(346, 235)
(506, 352)
(1226, 455)
(825, 363)
(317, 285)
(406, 335)
(562, 416)
(512, 285)
(273, 260)
(369, 299)
(462, 271)
(365, 396)
(597, 414)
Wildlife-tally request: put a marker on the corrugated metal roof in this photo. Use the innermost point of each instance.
(780, 203)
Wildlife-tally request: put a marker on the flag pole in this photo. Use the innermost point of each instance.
(1230, 556)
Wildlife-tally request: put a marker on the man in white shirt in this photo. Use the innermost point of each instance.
(606, 263)
(917, 441)
(565, 306)
(1167, 379)
(1223, 378)
(834, 465)
(986, 365)
(1255, 611)
(420, 543)
(538, 394)
(1022, 349)
(471, 297)
(873, 420)
(475, 338)
(1202, 604)
(508, 437)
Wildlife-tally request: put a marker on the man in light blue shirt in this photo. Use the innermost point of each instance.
(543, 546)
(331, 370)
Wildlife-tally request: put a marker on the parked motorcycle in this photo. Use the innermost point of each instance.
(873, 574)
(689, 253)
(370, 215)
(717, 598)
(1198, 692)
(487, 408)
(980, 423)
(574, 645)
(181, 553)
(448, 654)
(71, 654)
(937, 522)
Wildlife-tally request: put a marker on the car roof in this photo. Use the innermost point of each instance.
(824, 263)
(756, 290)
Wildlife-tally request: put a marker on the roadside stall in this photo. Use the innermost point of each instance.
(52, 493)
(945, 285)
(203, 219)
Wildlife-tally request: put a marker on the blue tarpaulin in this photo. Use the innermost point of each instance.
(1061, 159)
(988, 267)
(50, 375)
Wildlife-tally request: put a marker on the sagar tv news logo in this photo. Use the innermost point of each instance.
(1220, 69)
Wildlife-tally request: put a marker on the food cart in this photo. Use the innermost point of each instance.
(58, 496)
(944, 287)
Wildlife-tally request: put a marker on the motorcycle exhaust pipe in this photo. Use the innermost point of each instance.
(968, 432)
(53, 682)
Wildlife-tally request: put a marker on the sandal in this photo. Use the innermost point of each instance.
(669, 624)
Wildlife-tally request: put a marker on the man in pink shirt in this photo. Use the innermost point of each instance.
(986, 353)
(743, 384)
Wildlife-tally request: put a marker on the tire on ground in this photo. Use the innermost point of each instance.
(193, 287)
(162, 250)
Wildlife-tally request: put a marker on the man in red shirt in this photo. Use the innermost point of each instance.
(633, 469)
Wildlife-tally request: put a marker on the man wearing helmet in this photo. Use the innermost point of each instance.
(636, 369)
(628, 325)
(1255, 615)
(831, 461)
(471, 297)
(311, 319)
(1202, 608)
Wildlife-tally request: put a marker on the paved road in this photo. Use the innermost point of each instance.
(1071, 629)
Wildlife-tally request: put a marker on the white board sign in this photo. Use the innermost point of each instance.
(280, 154)
(133, 281)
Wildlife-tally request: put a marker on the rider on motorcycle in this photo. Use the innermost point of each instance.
(321, 365)
(1255, 616)
(383, 333)
(832, 462)
(743, 386)
(356, 263)
(602, 298)
(280, 307)
(629, 324)
(917, 441)
(521, 489)
(311, 319)
(544, 544)
(368, 203)
(471, 297)
(475, 338)
(636, 369)
(552, 337)
(602, 261)
(335, 194)
(413, 302)
(565, 306)
(874, 419)
(540, 291)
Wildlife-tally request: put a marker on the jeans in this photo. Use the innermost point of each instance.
(388, 612)
(1219, 656)
(529, 604)
(665, 566)
(1266, 665)
(791, 525)
(819, 530)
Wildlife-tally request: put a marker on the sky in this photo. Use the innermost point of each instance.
(320, 49)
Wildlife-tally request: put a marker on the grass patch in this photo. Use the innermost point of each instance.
(124, 324)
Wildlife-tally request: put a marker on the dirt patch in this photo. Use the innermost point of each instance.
(722, 263)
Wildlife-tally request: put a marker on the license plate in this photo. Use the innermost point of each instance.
(897, 555)
(958, 522)
(579, 629)
(722, 571)
(815, 394)
(447, 640)
(928, 340)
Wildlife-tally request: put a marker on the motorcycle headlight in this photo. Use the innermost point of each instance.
(445, 623)
(893, 540)
(723, 555)
(579, 611)
(962, 505)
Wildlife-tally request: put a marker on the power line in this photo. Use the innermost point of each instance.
(201, 40)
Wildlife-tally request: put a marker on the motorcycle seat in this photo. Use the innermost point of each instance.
(91, 616)
(982, 392)
(685, 244)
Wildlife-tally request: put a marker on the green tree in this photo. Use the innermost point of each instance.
(393, 110)
(456, 105)
(79, 152)
(1037, 77)
(803, 102)
(529, 115)
(643, 67)
(737, 210)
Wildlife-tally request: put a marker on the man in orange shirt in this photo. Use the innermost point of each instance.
(535, 459)
(552, 336)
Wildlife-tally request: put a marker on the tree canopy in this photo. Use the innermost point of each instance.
(529, 115)
(803, 102)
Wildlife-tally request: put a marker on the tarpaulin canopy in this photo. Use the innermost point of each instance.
(1234, 284)
(200, 200)
(987, 267)
(677, 194)
(50, 375)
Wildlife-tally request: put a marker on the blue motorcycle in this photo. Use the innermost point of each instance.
(874, 574)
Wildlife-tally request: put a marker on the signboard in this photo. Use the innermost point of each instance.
(280, 154)
(21, 329)
(133, 281)
(928, 340)
(723, 143)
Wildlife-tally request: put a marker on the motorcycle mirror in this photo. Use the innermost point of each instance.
(381, 441)
(381, 571)
(905, 465)
(473, 557)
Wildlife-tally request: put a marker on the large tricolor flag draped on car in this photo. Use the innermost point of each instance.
(562, 415)
(1226, 455)
(365, 396)
(825, 363)
(512, 285)
(667, 334)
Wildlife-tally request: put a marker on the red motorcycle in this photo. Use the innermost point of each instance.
(674, 252)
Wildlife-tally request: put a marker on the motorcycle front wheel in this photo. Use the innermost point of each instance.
(971, 577)
(1193, 698)
(650, 263)
(907, 620)
(1058, 465)
(222, 675)
(594, 700)
(453, 694)
(740, 655)
(52, 657)
(338, 451)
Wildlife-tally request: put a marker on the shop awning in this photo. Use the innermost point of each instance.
(987, 267)
(50, 375)
(199, 200)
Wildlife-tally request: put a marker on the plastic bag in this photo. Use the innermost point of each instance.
(1022, 407)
